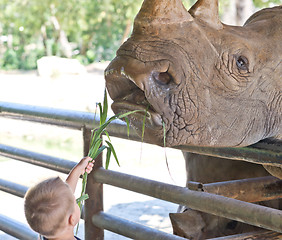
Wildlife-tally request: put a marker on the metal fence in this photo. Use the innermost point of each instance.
(204, 200)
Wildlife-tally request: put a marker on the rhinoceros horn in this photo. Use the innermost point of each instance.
(156, 12)
(207, 11)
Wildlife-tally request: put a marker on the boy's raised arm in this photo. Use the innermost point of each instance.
(85, 165)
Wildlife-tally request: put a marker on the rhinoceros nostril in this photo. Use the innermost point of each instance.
(162, 77)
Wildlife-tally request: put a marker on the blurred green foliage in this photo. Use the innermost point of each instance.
(30, 29)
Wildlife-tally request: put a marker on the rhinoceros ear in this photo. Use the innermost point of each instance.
(207, 11)
(162, 12)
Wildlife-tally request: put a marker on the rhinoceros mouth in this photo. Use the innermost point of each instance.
(128, 97)
(136, 101)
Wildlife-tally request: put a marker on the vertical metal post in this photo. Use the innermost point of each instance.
(94, 203)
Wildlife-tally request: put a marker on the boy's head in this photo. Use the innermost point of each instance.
(50, 207)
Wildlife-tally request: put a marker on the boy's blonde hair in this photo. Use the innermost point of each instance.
(47, 204)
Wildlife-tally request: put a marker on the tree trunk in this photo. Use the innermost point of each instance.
(65, 46)
(86, 44)
(126, 31)
(237, 12)
(244, 9)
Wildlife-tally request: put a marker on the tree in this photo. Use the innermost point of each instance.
(90, 30)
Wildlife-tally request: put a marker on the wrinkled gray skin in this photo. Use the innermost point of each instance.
(210, 83)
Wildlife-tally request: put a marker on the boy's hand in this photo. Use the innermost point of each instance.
(86, 165)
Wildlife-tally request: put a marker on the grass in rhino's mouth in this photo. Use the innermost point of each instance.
(122, 106)
(151, 116)
(136, 100)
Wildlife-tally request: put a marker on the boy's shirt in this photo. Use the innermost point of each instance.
(43, 238)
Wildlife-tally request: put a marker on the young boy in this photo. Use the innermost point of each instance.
(50, 206)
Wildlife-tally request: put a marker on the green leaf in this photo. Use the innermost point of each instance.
(100, 150)
(93, 137)
(107, 134)
(127, 124)
(104, 125)
(84, 180)
(114, 152)
(82, 198)
(144, 123)
(101, 113)
(109, 152)
(105, 107)
(95, 114)
(95, 147)
(127, 113)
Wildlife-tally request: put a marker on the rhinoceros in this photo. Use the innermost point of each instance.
(210, 83)
(206, 83)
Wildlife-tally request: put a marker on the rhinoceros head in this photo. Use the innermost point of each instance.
(209, 83)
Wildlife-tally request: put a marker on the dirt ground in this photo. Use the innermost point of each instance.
(80, 92)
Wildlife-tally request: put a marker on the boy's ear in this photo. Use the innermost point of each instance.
(72, 220)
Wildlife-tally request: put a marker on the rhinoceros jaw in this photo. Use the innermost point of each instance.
(152, 118)
(136, 100)
(118, 83)
(123, 73)
(133, 97)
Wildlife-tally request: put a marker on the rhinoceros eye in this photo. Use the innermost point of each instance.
(162, 77)
(242, 63)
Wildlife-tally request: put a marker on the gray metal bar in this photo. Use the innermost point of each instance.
(74, 118)
(42, 160)
(248, 190)
(248, 154)
(260, 153)
(16, 229)
(13, 188)
(258, 235)
(62, 117)
(210, 203)
(130, 229)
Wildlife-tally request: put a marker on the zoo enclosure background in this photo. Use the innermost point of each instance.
(88, 30)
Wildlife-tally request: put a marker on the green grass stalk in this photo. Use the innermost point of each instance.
(96, 143)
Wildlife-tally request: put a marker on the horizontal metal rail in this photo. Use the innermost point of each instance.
(19, 190)
(117, 179)
(42, 160)
(258, 235)
(252, 153)
(130, 229)
(16, 229)
(69, 118)
(249, 190)
(61, 117)
(13, 188)
(210, 203)
(266, 152)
